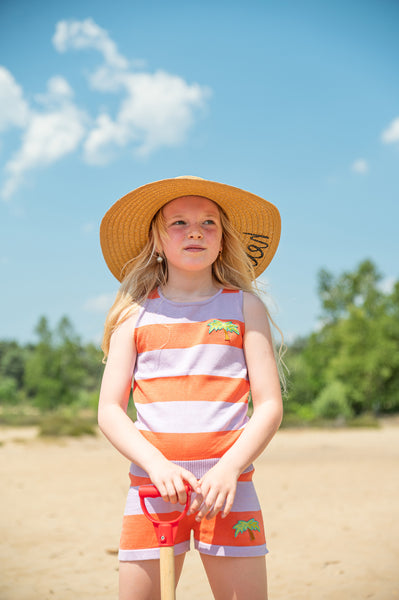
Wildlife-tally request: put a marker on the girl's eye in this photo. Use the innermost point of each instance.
(179, 222)
(209, 222)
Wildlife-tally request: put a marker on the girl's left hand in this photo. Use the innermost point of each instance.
(216, 491)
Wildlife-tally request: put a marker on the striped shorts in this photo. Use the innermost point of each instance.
(240, 534)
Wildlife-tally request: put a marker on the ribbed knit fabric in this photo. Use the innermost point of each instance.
(190, 382)
(191, 393)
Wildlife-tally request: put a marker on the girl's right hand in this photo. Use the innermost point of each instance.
(170, 480)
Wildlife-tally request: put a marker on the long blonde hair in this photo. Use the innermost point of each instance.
(143, 274)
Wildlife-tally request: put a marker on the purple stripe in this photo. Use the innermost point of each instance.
(210, 359)
(191, 416)
(151, 553)
(197, 467)
(213, 550)
(158, 310)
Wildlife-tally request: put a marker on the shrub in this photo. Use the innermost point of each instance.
(332, 402)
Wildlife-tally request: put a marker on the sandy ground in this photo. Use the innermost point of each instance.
(330, 501)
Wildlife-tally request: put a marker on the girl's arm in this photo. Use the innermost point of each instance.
(218, 486)
(119, 428)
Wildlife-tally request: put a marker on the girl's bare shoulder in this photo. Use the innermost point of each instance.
(124, 331)
(256, 315)
(253, 302)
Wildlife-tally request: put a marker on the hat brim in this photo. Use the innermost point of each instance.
(125, 227)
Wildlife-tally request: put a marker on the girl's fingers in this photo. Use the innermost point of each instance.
(217, 507)
(213, 500)
(170, 495)
(173, 490)
(228, 506)
(190, 479)
(196, 503)
(206, 506)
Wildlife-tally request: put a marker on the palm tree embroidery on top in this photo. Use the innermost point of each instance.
(250, 526)
(227, 326)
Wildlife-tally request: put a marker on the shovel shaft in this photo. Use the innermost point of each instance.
(167, 569)
(166, 534)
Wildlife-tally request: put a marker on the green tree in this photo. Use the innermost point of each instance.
(12, 361)
(354, 356)
(54, 373)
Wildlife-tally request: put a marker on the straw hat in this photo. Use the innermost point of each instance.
(125, 227)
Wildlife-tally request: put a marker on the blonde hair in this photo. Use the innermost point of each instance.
(232, 270)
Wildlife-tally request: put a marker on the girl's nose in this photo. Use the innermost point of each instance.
(195, 234)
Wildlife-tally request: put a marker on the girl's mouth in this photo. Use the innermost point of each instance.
(194, 248)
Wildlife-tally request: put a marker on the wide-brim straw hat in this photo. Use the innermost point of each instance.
(125, 227)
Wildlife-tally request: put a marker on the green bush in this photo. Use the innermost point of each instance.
(8, 390)
(66, 423)
(332, 402)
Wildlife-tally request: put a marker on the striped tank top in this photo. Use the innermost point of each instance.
(190, 381)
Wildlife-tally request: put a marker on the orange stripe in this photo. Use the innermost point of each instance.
(136, 480)
(246, 476)
(185, 387)
(185, 335)
(221, 532)
(192, 446)
(138, 532)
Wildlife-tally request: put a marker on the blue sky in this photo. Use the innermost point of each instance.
(297, 102)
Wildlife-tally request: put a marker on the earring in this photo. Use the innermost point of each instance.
(220, 255)
(159, 259)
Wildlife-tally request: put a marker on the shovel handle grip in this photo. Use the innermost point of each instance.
(165, 530)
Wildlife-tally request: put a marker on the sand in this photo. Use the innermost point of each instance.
(330, 500)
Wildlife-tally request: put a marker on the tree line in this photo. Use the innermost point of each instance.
(56, 371)
(348, 367)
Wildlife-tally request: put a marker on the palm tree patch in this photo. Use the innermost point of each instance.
(250, 526)
(226, 326)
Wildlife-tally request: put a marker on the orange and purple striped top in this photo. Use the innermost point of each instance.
(190, 381)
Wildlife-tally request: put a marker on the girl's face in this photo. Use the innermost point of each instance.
(194, 233)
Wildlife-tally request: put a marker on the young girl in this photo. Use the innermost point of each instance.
(188, 329)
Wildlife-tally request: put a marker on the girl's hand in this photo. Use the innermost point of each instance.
(216, 491)
(170, 480)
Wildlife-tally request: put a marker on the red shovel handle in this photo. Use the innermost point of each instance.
(165, 530)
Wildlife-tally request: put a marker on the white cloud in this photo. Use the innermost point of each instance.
(391, 134)
(100, 304)
(80, 35)
(58, 90)
(14, 109)
(156, 109)
(48, 136)
(100, 144)
(360, 166)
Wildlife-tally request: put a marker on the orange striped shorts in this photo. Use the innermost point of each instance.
(240, 534)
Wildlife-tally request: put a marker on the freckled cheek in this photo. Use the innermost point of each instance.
(173, 243)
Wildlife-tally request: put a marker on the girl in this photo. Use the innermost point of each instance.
(191, 333)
